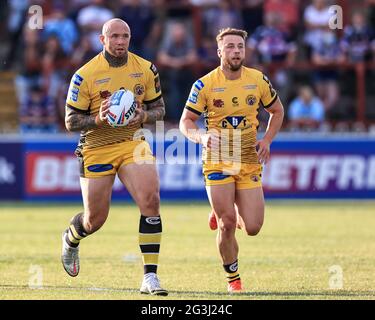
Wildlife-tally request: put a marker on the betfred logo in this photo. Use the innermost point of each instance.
(319, 173)
(55, 173)
(51, 173)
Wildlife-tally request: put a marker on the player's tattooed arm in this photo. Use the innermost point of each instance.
(154, 111)
(78, 121)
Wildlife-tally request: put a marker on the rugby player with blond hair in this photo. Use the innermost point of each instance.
(229, 97)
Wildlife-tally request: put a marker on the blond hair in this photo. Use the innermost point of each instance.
(231, 31)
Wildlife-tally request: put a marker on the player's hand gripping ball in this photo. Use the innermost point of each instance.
(122, 108)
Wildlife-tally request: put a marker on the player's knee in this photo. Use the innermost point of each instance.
(150, 202)
(228, 223)
(94, 223)
(253, 229)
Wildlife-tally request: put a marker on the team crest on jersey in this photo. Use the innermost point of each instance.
(235, 102)
(139, 89)
(105, 94)
(218, 103)
(251, 100)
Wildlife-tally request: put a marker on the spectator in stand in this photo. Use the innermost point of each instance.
(207, 53)
(176, 58)
(140, 18)
(327, 57)
(316, 17)
(178, 9)
(288, 10)
(371, 9)
(152, 42)
(226, 14)
(274, 50)
(4, 40)
(358, 42)
(306, 111)
(82, 54)
(54, 67)
(63, 28)
(75, 7)
(252, 14)
(4, 6)
(37, 113)
(159, 9)
(91, 19)
(16, 16)
(29, 67)
(270, 43)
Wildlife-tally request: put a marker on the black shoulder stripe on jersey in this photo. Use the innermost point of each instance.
(78, 110)
(193, 110)
(153, 100)
(270, 104)
(154, 69)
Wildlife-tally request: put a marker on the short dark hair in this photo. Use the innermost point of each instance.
(231, 31)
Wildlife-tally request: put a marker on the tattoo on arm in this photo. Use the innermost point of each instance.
(77, 121)
(155, 111)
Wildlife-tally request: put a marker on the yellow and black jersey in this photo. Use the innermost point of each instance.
(96, 81)
(231, 107)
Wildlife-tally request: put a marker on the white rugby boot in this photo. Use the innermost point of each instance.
(151, 285)
(70, 257)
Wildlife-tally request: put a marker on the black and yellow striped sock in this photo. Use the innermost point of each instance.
(150, 229)
(76, 231)
(232, 271)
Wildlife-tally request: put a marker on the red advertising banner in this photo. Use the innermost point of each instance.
(51, 173)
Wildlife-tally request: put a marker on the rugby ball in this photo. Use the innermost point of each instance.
(122, 108)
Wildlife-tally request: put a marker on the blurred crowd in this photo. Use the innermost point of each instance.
(309, 64)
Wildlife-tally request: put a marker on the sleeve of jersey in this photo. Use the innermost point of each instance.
(153, 87)
(196, 101)
(268, 93)
(78, 94)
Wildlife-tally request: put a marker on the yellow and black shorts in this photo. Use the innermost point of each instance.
(106, 160)
(244, 175)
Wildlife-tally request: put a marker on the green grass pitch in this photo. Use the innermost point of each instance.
(306, 250)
